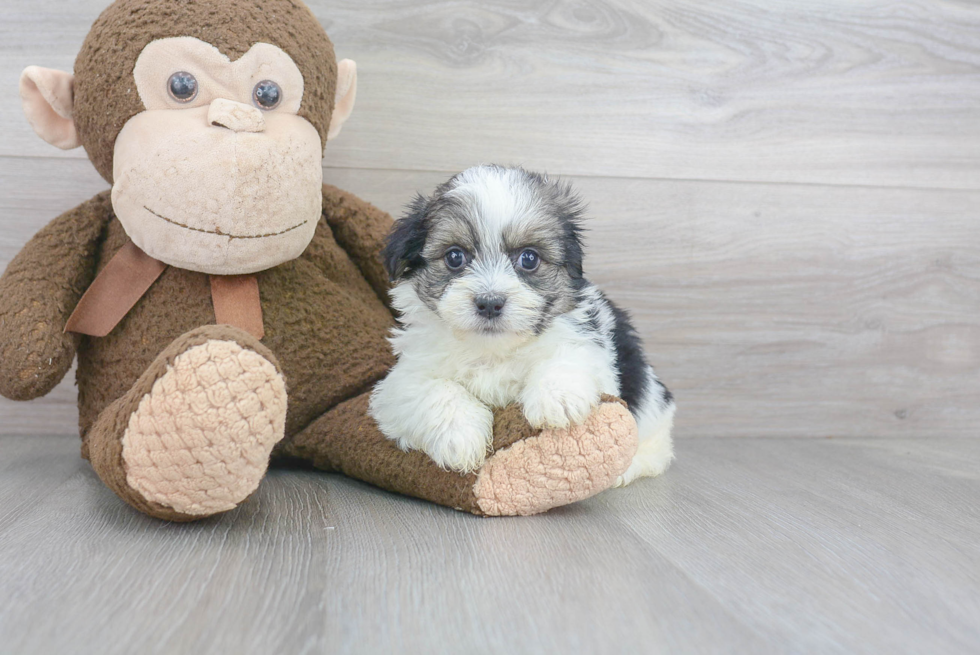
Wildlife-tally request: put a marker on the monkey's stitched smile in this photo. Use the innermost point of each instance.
(222, 234)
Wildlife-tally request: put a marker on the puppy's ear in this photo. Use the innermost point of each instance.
(573, 250)
(403, 250)
(571, 209)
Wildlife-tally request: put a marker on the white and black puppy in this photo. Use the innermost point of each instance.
(494, 310)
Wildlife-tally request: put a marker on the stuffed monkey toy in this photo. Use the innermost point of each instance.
(226, 307)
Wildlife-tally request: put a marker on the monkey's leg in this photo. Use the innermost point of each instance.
(529, 471)
(192, 437)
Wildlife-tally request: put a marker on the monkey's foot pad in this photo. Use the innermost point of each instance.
(200, 440)
(558, 467)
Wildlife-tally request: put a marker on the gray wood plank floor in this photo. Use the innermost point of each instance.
(746, 545)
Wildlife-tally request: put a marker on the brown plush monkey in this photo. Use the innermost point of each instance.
(219, 277)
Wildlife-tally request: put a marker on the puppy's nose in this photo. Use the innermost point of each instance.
(489, 306)
(236, 116)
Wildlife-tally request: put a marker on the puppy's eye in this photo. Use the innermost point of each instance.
(182, 86)
(267, 94)
(455, 259)
(529, 260)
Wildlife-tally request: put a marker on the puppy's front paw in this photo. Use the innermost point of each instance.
(441, 418)
(460, 441)
(559, 400)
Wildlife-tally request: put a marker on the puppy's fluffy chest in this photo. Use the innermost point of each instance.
(494, 369)
(496, 382)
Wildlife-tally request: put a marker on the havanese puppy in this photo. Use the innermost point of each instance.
(487, 275)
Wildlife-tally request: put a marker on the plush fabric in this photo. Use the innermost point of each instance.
(223, 84)
(319, 314)
(105, 92)
(528, 471)
(255, 200)
(346, 95)
(38, 292)
(360, 229)
(113, 293)
(237, 301)
(235, 116)
(199, 440)
(347, 440)
(105, 440)
(547, 470)
(48, 95)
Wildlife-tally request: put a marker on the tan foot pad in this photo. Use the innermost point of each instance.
(558, 467)
(200, 440)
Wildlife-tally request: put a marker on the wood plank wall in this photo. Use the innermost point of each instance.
(787, 195)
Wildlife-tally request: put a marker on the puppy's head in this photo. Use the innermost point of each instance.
(493, 251)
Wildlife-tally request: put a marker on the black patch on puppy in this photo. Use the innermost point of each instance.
(592, 319)
(558, 282)
(546, 315)
(570, 217)
(402, 253)
(568, 209)
(630, 360)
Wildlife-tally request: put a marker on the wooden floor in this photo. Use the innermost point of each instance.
(746, 545)
(785, 195)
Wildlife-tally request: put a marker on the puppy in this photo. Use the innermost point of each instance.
(495, 309)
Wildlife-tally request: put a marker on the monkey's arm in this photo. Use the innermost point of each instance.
(38, 292)
(360, 228)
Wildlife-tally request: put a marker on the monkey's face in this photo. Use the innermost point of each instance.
(208, 120)
(219, 174)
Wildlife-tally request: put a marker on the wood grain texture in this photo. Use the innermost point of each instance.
(745, 546)
(770, 310)
(831, 91)
(856, 546)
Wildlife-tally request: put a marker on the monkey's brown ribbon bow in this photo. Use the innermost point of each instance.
(130, 274)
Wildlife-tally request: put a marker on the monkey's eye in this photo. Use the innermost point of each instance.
(182, 86)
(455, 259)
(267, 94)
(529, 260)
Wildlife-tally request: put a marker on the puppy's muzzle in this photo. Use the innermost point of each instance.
(489, 306)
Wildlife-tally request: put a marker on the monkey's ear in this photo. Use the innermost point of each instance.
(346, 94)
(48, 97)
